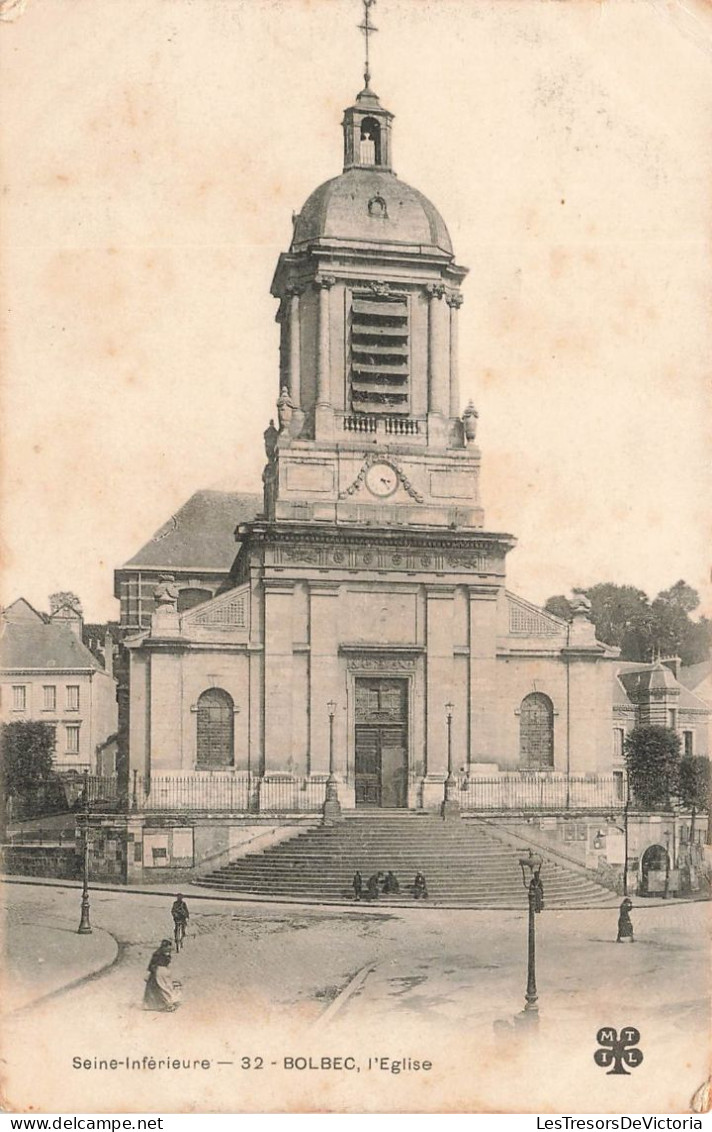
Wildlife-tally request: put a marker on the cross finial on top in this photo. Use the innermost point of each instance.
(367, 28)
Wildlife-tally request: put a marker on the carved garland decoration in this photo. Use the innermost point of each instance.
(371, 459)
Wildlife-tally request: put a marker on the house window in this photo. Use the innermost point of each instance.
(618, 739)
(380, 368)
(19, 697)
(688, 744)
(216, 720)
(49, 692)
(72, 738)
(672, 718)
(536, 732)
(72, 697)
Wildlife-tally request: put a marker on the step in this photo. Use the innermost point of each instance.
(465, 864)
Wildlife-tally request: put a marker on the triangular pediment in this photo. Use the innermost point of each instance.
(528, 620)
(227, 613)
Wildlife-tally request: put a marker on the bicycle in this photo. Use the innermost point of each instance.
(179, 933)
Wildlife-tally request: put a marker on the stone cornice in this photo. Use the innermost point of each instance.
(429, 538)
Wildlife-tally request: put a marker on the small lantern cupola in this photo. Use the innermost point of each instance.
(367, 126)
(367, 134)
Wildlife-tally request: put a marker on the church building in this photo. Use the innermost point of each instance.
(362, 648)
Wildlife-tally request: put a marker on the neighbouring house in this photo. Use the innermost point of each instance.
(48, 674)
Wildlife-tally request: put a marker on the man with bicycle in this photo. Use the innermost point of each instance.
(180, 914)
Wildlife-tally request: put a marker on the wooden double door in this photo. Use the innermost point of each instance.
(381, 762)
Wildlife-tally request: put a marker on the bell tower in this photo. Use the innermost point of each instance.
(370, 424)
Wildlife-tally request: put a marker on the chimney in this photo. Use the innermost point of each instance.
(108, 653)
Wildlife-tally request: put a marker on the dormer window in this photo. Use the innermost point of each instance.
(370, 147)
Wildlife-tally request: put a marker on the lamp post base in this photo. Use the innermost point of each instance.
(85, 927)
(331, 809)
(450, 807)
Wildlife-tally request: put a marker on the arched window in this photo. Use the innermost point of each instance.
(536, 732)
(370, 148)
(215, 729)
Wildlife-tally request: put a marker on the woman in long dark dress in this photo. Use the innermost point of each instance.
(161, 992)
(625, 924)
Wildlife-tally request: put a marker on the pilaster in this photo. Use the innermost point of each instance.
(454, 302)
(166, 695)
(483, 685)
(439, 674)
(438, 351)
(295, 347)
(278, 597)
(323, 674)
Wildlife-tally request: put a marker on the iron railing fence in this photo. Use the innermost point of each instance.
(193, 790)
(228, 792)
(241, 792)
(287, 794)
(540, 792)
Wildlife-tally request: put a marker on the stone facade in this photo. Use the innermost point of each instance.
(363, 643)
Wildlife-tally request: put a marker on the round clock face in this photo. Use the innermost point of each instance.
(381, 479)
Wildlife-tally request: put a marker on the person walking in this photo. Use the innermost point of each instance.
(357, 884)
(625, 924)
(181, 915)
(161, 992)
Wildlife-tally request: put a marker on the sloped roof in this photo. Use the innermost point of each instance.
(43, 645)
(693, 674)
(201, 534)
(21, 612)
(631, 679)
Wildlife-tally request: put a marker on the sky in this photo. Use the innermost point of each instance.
(153, 152)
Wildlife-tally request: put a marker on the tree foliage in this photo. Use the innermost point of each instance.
(64, 597)
(624, 616)
(693, 785)
(653, 759)
(27, 750)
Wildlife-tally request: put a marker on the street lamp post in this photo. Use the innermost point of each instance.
(84, 922)
(531, 878)
(451, 805)
(332, 806)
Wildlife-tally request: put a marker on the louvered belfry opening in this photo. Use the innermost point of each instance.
(380, 369)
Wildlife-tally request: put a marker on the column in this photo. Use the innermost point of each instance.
(454, 302)
(483, 683)
(439, 672)
(438, 353)
(323, 675)
(324, 283)
(324, 413)
(295, 347)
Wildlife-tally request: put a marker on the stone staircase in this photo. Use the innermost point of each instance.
(464, 862)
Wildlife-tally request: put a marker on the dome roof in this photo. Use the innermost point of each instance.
(370, 206)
